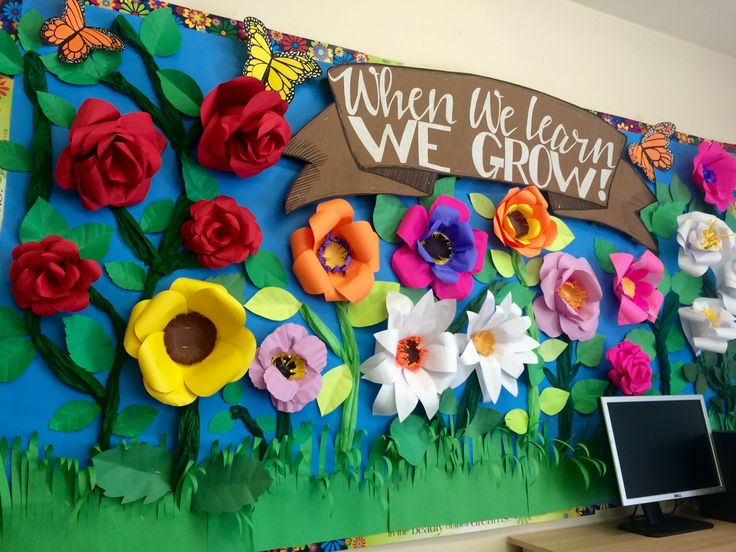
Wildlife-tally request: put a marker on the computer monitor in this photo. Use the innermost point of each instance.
(662, 449)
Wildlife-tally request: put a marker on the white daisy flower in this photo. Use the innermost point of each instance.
(708, 326)
(703, 239)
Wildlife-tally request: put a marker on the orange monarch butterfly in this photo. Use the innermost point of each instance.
(653, 151)
(74, 38)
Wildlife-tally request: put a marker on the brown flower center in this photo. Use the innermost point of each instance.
(484, 342)
(291, 366)
(519, 223)
(409, 353)
(439, 247)
(190, 338)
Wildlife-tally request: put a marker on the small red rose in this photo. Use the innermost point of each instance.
(50, 277)
(221, 232)
(244, 127)
(110, 158)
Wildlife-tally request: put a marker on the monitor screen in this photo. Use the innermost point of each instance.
(662, 447)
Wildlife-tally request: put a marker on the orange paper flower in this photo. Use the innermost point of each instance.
(523, 223)
(335, 256)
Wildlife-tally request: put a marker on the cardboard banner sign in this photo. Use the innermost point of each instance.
(393, 129)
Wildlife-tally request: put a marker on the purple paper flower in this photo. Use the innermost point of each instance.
(288, 365)
(714, 172)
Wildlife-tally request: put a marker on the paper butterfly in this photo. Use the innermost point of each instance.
(280, 72)
(653, 151)
(74, 38)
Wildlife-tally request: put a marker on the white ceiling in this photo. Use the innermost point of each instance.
(708, 23)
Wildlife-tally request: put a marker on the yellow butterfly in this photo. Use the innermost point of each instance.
(281, 72)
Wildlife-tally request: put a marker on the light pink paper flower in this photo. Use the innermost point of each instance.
(635, 285)
(571, 297)
(631, 368)
(714, 172)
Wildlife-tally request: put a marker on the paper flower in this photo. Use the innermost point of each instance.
(635, 285)
(708, 326)
(415, 358)
(571, 296)
(335, 256)
(726, 282)
(714, 172)
(631, 368)
(703, 239)
(288, 365)
(189, 341)
(522, 222)
(496, 347)
(440, 249)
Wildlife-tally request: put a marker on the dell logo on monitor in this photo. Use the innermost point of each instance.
(678, 495)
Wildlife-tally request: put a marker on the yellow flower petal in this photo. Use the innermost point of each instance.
(159, 371)
(159, 312)
(189, 286)
(223, 364)
(131, 341)
(181, 396)
(246, 343)
(225, 312)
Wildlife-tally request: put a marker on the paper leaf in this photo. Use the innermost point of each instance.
(414, 294)
(265, 270)
(675, 338)
(74, 415)
(71, 73)
(664, 219)
(585, 394)
(521, 295)
(156, 217)
(234, 283)
(88, 343)
(482, 205)
(160, 34)
(690, 371)
(666, 283)
(502, 263)
(11, 61)
(16, 354)
(139, 472)
(29, 28)
(412, 437)
(42, 220)
(371, 309)
(590, 353)
(199, 183)
(550, 349)
(730, 220)
(267, 423)
(221, 423)
(57, 110)
(662, 192)
(553, 400)
(488, 273)
(134, 420)
(687, 288)
(677, 383)
(92, 239)
(443, 186)
(533, 267)
(181, 90)
(273, 303)
(11, 323)
(645, 340)
(448, 402)
(105, 63)
(647, 213)
(484, 421)
(232, 393)
(126, 275)
(387, 215)
(230, 488)
(564, 236)
(679, 190)
(336, 387)
(603, 250)
(517, 420)
(13, 156)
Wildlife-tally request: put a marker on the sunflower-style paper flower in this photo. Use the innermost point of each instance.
(335, 256)
(190, 341)
(522, 222)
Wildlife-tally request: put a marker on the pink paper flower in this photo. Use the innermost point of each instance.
(631, 368)
(714, 172)
(288, 365)
(571, 297)
(441, 250)
(635, 285)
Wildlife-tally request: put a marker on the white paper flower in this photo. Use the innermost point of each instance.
(496, 347)
(726, 282)
(703, 239)
(415, 359)
(707, 325)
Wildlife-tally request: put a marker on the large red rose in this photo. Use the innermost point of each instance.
(110, 158)
(244, 127)
(50, 277)
(221, 232)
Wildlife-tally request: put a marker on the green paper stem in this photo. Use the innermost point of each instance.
(116, 81)
(34, 80)
(469, 400)
(118, 322)
(565, 376)
(661, 329)
(533, 392)
(283, 425)
(517, 261)
(351, 357)
(134, 237)
(187, 442)
(238, 412)
(321, 330)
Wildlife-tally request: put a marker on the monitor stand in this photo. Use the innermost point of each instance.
(656, 524)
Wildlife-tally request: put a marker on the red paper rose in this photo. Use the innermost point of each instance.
(631, 368)
(110, 158)
(244, 127)
(221, 232)
(50, 277)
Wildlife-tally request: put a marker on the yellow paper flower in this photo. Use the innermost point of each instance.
(190, 341)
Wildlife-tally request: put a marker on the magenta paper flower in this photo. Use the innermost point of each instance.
(714, 171)
(288, 365)
(631, 368)
(635, 285)
(571, 297)
(441, 250)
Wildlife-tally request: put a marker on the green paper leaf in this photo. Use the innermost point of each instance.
(412, 438)
(232, 393)
(273, 303)
(585, 394)
(29, 28)
(92, 239)
(521, 295)
(553, 400)
(139, 472)
(690, 371)
(267, 423)
(387, 215)
(482, 205)
(677, 382)
(11, 323)
(13, 156)
(156, 217)
(662, 192)
(644, 339)
(443, 186)
(701, 384)
(230, 488)
(199, 183)
(88, 343)
(730, 220)
(71, 73)
(57, 110)
(266, 270)
(502, 263)
(234, 283)
(126, 275)
(336, 387)
(221, 423)
(16, 354)
(74, 415)
(11, 61)
(533, 267)
(517, 420)
(414, 294)
(688, 288)
(488, 272)
(181, 90)
(603, 250)
(647, 213)
(42, 220)
(448, 402)
(550, 349)
(485, 420)
(105, 63)
(160, 34)
(679, 190)
(564, 236)
(664, 219)
(590, 353)
(371, 310)
(134, 420)
(665, 285)
(675, 338)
